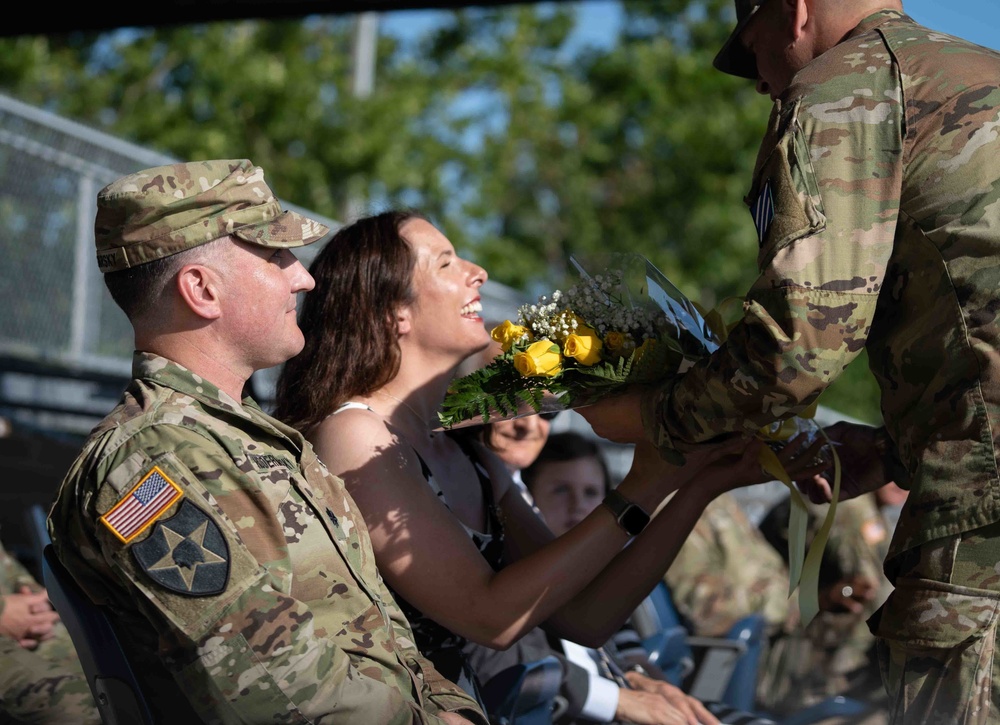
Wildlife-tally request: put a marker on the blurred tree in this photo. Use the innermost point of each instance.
(524, 146)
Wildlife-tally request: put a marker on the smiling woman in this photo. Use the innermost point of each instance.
(394, 313)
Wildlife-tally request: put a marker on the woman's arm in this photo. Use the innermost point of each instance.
(426, 556)
(603, 605)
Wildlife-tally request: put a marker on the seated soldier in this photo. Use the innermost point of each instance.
(836, 653)
(235, 564)
(727, 570)
(41, 681)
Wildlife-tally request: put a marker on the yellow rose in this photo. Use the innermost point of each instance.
(583, 345)
(619, 343)
(540, 360)
(507, 333)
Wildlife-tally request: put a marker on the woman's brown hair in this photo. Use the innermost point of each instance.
(363, 276)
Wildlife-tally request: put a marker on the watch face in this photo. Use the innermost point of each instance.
(634, 519)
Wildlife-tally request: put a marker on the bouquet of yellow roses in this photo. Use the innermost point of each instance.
(627, 325)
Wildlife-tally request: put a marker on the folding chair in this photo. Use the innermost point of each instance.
(112, 681)
(727, 669)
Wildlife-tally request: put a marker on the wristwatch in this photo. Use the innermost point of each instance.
(629, 515)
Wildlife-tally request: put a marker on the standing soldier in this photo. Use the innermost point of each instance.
(235, 564)
(876, 199)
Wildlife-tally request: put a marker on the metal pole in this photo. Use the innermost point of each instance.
(364, 56)
(81, 325)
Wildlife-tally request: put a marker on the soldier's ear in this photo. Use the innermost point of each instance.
(199, 288)
(797, 13)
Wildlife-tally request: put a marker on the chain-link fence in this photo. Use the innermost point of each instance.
(64, 344)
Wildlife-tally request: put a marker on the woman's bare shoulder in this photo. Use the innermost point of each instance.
(350, 437)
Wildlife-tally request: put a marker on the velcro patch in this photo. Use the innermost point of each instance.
(149, 498)
(186, 553)
(762, 211)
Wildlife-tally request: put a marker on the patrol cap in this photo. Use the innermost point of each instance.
(166, 209)
(735, 59)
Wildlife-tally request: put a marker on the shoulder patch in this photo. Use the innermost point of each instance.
(762, 211)
(186, 553)
(149, 498)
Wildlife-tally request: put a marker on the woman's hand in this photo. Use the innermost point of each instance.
(799, 456)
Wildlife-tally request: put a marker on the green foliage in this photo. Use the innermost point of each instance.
(496, 390)
(523, 146)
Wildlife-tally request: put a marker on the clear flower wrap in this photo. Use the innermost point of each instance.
(626, 325)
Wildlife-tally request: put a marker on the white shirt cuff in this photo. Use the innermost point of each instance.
(602, 700)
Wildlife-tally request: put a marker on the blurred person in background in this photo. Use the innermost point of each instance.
(41, 681)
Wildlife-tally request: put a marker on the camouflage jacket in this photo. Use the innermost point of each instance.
(876, 197)
(726, 570)
(221, 542)
(13, 576)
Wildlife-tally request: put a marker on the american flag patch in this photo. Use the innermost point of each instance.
(762, 212)
(144, 503)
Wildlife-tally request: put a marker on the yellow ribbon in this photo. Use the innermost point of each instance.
(803, 568)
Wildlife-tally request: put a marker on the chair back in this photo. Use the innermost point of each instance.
(109, 674)
(524, 694)
(38, 532)
(715, 669)
(741, 692)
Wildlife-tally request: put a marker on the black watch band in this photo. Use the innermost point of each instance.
(630, 516)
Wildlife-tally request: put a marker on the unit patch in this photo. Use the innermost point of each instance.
(149, 498)
(186, 553)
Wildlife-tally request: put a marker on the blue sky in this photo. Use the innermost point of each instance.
(975, 20)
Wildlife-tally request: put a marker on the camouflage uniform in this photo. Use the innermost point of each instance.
(834, 653)
(44, 685)
(876, 196)
(726, 570)
(254, 581)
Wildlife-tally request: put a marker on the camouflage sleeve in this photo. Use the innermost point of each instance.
(237, 644)
(441, 693)
(824, 200)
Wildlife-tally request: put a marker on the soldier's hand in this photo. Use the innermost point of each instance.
(848, 595)
(861, 450)
(27, 617)
(694, 712)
